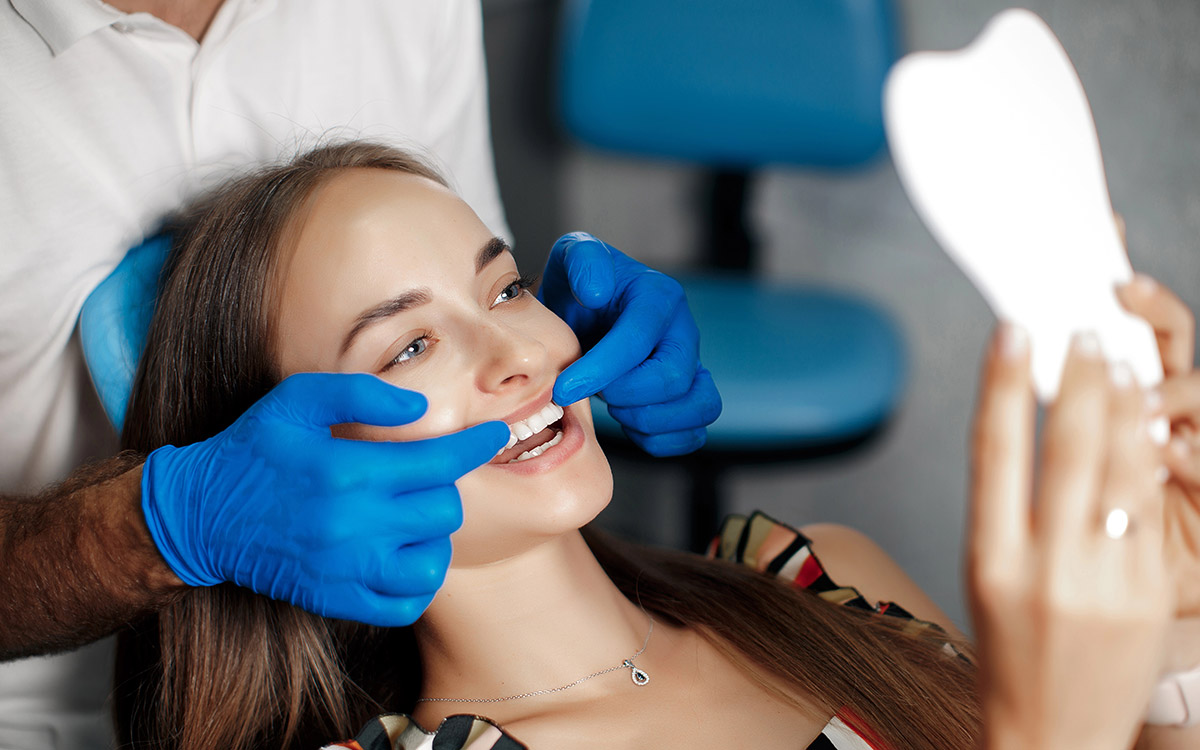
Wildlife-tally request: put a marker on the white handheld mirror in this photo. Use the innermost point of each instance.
(997, 150)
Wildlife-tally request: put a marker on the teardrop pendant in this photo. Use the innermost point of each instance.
(638, 676)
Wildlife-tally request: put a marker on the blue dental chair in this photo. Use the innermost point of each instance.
(804, 372)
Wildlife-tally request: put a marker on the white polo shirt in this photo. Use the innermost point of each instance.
(108, 121)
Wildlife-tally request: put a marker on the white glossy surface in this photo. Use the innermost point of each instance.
(996, 147)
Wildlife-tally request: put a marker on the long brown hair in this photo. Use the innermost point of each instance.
(224, 667)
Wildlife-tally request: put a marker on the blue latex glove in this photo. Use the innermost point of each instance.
(645, 361)
(343, 528)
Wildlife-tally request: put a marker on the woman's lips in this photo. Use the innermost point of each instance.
(568, 434)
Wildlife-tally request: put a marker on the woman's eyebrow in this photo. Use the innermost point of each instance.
(384, 310)
(492, 249)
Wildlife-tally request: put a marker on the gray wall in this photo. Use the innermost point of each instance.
(1139, 61)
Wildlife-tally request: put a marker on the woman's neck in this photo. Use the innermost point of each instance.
(533, 622)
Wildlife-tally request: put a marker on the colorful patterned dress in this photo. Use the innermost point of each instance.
(759, 542)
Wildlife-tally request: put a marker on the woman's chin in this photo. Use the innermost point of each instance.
(506, 512)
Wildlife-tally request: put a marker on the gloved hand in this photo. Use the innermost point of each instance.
(343, 528)
(646, 361)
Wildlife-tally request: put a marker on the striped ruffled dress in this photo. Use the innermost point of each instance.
(757, 541)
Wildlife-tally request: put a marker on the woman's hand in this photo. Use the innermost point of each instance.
(1174, 326)
(1070, 621)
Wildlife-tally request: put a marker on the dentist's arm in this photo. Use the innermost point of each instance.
(343, 528)
(641, 345)
(78, 561)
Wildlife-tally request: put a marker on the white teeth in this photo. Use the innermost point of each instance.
(550, 413)
(535, 423)
(535, 452)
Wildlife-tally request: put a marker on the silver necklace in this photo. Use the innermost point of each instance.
(638, 676)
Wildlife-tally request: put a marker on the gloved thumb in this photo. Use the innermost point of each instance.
(589, 267)
(322, 399)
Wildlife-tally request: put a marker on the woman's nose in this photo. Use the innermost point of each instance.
(512, 358)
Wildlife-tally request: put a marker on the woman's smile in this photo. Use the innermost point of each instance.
(547, 447)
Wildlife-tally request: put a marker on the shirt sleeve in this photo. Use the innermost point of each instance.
(456, 116)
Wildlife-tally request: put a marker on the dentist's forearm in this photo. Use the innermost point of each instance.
(78, 561)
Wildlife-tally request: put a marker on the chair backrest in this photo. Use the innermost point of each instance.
(737, 83)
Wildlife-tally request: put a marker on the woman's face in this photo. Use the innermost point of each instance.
(392, 274)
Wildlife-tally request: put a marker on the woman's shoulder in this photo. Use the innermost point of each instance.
(402, 732)
(836, 562)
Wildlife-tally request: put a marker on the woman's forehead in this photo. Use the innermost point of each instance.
(366, 221)
(364, 237)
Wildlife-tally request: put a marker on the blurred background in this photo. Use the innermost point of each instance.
(1139, 61)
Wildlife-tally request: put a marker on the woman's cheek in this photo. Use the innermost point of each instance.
(561, 342)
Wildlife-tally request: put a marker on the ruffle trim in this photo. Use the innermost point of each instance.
(458, 732)
(777, 549)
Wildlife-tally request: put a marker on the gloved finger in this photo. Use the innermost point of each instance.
(580, 269)
(413, 517)
(411, 570)
(668, 443)
(699, 407)
(322, 399)
(383, 517)
(401, 467)
(648, 311)
(386, 611)
(667, 375)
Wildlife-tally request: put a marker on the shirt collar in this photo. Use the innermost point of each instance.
(61, 23)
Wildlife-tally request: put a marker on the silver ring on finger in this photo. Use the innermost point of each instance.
(1117, 524)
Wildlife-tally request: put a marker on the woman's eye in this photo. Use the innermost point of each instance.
(509, 293)
(415, 349)
(514, 290)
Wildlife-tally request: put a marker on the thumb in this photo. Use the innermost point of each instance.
(322, 399)
(589, 267)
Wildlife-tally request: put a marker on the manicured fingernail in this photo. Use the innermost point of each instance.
(1162, 474)
(1160, 430)
(1014, 341)
(1086, 343)
(1121, 375)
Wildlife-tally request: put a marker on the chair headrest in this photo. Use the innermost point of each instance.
(114, 321)
(729, 83)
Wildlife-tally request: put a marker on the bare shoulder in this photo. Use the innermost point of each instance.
(851, 558)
